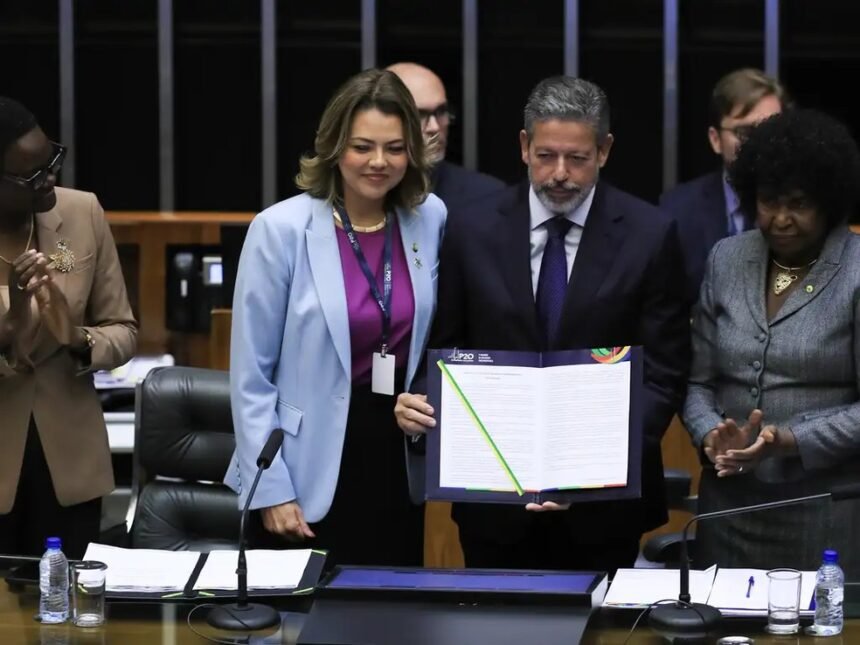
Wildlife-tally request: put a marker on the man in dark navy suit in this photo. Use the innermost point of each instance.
(706, 208)
(565, 261)
(453, 184)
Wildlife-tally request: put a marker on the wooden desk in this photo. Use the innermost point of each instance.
(152, 622)
(127, 624)
(604, 629)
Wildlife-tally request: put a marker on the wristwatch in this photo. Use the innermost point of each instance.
(85, 349)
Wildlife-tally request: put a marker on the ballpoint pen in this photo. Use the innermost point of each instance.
(750, 585)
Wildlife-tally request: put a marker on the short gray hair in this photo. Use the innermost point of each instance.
(568, 99)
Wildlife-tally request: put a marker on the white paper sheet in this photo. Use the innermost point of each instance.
(128, 375)
(643, 587)
(504, 399)
(729, 593)
(143, 570)
(586, 418)
(282, 569)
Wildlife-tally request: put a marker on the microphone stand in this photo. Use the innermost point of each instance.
(242, 615)
(684, 619)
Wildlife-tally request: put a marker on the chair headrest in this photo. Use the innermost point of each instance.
(186, 427)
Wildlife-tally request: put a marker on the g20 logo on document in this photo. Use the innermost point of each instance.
(457, 356)
(610, 355)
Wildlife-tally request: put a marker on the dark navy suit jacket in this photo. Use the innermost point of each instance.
(458, 187)
(699, 209)
(626, 288)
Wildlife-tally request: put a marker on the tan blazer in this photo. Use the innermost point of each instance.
(50, 383)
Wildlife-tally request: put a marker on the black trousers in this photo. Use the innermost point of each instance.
(549, 544)
(372, 521)
(37, 515)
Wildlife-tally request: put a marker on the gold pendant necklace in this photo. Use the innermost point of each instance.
(29, 240)
(786, 276)
(361, 229)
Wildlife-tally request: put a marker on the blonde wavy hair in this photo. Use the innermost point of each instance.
(319, 174)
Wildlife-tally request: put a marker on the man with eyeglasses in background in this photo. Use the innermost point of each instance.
(453, 184)
(706, 208)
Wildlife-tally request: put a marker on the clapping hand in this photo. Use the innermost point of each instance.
(25, 278)
(728, 436)
(738, 462)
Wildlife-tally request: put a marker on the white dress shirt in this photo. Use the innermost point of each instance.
(539, 215)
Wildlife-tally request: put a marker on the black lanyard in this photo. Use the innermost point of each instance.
(384, 301)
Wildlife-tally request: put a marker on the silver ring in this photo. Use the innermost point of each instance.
(20, 288)
(740, 469)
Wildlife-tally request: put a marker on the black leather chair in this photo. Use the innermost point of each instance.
(666, 549)
(677, 482)
(183, 443)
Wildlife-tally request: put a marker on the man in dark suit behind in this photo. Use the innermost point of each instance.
(453, 184)
(706, 208)
(565, 261)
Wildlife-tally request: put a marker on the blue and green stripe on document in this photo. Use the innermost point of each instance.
(480, 425)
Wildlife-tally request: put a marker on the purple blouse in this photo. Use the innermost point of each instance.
(365, 318)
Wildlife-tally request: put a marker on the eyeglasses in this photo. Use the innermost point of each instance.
(742, 132)
(796, 204)
(442, 113)
(37, 179)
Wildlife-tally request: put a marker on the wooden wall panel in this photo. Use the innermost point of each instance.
(219, 339)
(151, 232)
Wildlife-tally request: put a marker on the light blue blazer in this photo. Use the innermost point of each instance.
(290, 358)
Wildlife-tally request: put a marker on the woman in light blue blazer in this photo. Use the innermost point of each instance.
(334, 298)
(774, 395)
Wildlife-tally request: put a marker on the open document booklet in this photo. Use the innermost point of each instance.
(189, 573)
(735, 592)
(518, 427)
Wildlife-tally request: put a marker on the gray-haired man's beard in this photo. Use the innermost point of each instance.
(566, 206)
(435, 149)
(436, 157)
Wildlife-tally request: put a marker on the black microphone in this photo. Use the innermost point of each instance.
(845, 491)
(242, 615)
(267, 454)
(685, 620)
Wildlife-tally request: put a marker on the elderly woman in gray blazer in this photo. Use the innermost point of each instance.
(773, 401)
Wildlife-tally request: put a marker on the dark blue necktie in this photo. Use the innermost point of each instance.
(552, 282)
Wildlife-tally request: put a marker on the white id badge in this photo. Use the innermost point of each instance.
(382, 379)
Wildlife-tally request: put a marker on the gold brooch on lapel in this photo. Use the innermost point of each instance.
(64, 258)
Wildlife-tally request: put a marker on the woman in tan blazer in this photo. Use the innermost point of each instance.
(64, 313)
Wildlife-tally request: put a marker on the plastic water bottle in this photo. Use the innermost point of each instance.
(829, 592)
(53, 583)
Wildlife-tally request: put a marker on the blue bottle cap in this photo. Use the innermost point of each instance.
(53, 543)
(831, 556)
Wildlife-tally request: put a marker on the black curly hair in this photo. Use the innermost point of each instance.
(799, 151)
(15, 122)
